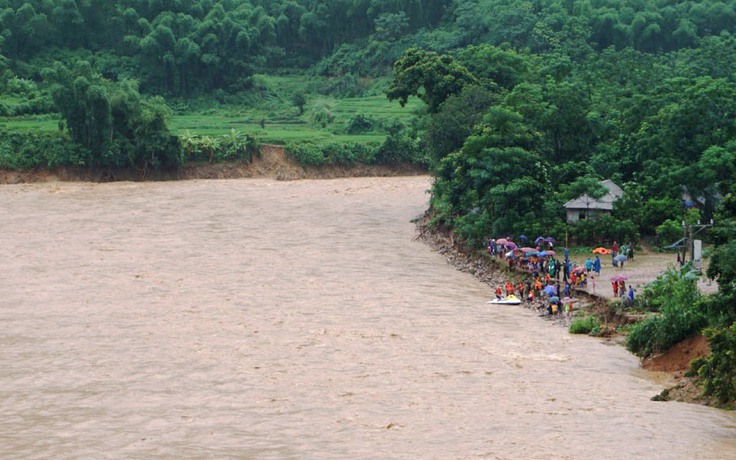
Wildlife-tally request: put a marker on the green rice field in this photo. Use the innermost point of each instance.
(271, 117)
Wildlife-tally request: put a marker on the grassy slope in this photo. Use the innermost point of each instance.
(271, 103)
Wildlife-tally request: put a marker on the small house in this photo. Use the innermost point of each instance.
(586, 207)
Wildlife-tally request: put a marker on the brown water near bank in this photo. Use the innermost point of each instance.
(264, 319)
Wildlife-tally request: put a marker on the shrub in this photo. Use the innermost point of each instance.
(34, 107)
(669, 232)
(359, 123)
(228, 147)
(332, 154)
(676, 297)
(585, 325)
(306, 154)
(401, 145)
(322, 112)
(25, 150)
(593, 231)
(718, 369)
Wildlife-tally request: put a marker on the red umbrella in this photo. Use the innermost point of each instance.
(550, 252)
(529, 249)
(502, 241)
(578, 269)
(618, 278)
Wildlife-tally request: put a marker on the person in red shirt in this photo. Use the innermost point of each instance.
(499, 292)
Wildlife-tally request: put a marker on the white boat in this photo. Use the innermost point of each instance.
(508, 300)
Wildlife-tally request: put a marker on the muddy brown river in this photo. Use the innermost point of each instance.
(258, 319)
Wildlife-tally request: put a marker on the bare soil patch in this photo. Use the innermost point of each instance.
(678, 358)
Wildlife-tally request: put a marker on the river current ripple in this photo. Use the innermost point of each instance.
(292, 320)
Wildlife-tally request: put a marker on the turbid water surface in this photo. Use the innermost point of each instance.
(258, 319)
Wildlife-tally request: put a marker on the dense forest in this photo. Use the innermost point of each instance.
(525, 104)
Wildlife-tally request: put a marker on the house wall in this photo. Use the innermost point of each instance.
(573, 215)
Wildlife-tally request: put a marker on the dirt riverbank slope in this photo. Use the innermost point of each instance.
(273, 162)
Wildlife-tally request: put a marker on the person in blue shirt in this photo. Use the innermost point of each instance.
(597, 265)
(588, 265)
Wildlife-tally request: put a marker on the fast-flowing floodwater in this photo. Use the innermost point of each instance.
(259, 319)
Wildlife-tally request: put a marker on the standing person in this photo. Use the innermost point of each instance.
(597, 266)
(631, 294)
(614, 250)
(588, 265)
(568, 310)
(499, 293)
(537, 287)
(630, 252)
(615, 288)
(509, 288)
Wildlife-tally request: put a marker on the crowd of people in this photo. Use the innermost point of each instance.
(552, 282)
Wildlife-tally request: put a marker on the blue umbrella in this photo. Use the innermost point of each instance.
(539, 238)
(620, 258)
(549, 239)
(554, 299)
(550, 290)
(523, 237)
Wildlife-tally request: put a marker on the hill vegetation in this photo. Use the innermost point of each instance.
(515, 106)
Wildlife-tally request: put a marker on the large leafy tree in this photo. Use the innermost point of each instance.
(429, 76)
(497, 182)
(450, 126)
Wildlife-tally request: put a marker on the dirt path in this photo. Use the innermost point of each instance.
(643, 269)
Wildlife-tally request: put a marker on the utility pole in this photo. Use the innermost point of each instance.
(690, 231)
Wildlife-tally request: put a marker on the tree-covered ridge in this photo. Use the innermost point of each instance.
(181, 47)
(652, 26)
